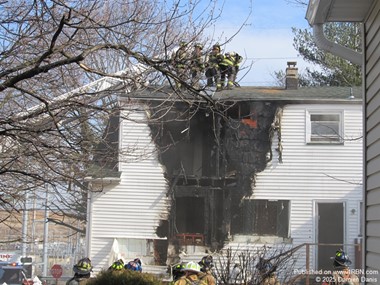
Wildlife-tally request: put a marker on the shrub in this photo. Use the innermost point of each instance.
(124, 277)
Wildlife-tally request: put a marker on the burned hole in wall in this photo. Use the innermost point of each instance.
(211, 159)
(193, 223)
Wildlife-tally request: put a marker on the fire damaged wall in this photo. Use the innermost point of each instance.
(247, 144)
(211, 159)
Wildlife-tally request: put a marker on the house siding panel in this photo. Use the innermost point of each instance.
(114, 212)
(372, 107)
(305, 178)
(372, 184)
(372, 243)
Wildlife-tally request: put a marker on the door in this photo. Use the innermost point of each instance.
(330, 231)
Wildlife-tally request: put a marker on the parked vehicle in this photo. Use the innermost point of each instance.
(13, 273)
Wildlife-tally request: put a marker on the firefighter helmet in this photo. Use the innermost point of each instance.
(198, 45)
(192, 266)
(177, 270)
(83, 266)
(134, 265)
(341, 259)
(216, 46)
(117, 265)
(206, 262)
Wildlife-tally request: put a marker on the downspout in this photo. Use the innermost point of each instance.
(334, 48)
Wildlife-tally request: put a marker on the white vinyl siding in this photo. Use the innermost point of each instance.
(372, 152)
(317, 172)
(309, 173)
(133, 209)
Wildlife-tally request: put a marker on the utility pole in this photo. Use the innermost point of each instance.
(46, 236)
(24, 226)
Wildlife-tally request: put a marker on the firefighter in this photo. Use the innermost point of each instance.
(237, 60)
(213, 70)
(227, 67)
(207, 264)
(180, 61)
(192, 275)
(177, 271)
(117, 265)
(82, 272)
(341, 274)
(134, 265)
(197, 65)
(230, 68)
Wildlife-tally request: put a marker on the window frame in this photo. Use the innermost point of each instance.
(308, 134)
(254, 217)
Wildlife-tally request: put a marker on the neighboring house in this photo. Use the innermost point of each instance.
(249, 166)
(368, 13)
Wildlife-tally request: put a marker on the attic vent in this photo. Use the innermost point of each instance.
(291, 80)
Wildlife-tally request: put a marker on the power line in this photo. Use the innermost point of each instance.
(274, 58)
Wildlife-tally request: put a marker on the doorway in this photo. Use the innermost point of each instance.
(190, 215)
(330, 230)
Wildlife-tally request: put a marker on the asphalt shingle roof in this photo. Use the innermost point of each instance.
(247, 93)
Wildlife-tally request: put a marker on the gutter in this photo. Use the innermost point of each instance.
(334, 48)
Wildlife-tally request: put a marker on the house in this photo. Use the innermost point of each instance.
(248, 166)
(366, 12)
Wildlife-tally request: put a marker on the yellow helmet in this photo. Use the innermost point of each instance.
(192, 266)
(118, 265)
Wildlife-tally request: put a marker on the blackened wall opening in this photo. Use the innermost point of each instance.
(265, 217)
(190, 212)
(213, 157)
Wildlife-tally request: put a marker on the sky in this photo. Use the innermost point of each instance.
(266, 40)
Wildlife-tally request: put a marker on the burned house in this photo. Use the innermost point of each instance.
(244, 166)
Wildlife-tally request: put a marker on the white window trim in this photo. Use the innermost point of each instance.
(322, 112)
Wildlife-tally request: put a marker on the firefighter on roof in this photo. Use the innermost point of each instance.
(197, 65)
(213, 67)
(180, 61)
(237, 60)
(229, 68)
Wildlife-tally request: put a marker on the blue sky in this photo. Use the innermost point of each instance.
(266, 41)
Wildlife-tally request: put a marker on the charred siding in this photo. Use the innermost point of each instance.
(210, 160)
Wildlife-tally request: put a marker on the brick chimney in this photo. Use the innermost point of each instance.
(291, 77)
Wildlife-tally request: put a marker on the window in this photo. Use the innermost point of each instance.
(130, 247)
(323, 127)
(266, 217)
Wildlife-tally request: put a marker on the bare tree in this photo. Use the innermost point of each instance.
(255, 265)
(59, 60)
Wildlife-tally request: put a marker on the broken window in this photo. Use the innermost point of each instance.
(266, 217)
(322, 127)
